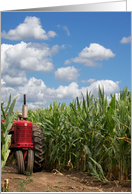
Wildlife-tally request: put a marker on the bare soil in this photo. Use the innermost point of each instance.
(66, 181)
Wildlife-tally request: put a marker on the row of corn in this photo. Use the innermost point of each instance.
(90, 134)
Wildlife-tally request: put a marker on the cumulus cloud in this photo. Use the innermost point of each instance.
(30, 29)
(6, 91)
(90, 56)
(39, 94)
(108, 85)
(70, 91)
(66, 74)
(125, 40)
(14, 81)
(35, 105)
(23, 57)
(55, 49)
(2, 82)
(88, 81)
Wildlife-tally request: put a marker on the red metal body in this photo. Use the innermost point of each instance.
(21, 136)
(22, 132)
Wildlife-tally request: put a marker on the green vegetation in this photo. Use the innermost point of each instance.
(21, 186)
(91, 135)
(56, 190)
(47, 190)
(28, 173)
(8, 116)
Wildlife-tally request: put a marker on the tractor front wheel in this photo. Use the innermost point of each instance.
(20, 162)
(30, 161)
(39, 148)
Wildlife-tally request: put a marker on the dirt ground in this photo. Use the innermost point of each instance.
(66, 181)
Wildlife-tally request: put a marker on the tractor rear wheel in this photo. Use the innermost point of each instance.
(39, 148)
(20, 162)
(30, 161)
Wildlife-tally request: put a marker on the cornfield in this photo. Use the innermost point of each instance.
(92, 135)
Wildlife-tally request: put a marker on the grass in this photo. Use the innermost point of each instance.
(6, 189)
(28, 173)
(21, 186)
(56, 189)
(47, 190)
(4, 172)
(63, 181)
(60, 182)
(22, 182)
(30, 179)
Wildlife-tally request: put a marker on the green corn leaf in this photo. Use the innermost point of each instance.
(9, 101)
(2, 157)
(3, 127)
(78, 104)
(12, 107)
(9, 123)
(91, 166)
(3, 112)
(88, 152)
(2, 139)
(6, 145)
(3, 162)
(100, 169)
(106, 152)
(5, 138)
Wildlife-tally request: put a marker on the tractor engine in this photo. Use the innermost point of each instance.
(21, 131)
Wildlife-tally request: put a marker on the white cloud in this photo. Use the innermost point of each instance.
(30, 29)
(88, 81)
(90, 56)
(2, 82)
(108, 85)
(54, 49)
(125, 40)
(66, 74)
(70, 91)
(23, 57)
(14, 81)
(39, 94)
(63, 46)
(35, 105)
(66, 29)
(6, 91)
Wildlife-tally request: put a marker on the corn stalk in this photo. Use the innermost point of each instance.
(5, 127)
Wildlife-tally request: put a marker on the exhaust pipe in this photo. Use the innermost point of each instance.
(24, 99)
(24, 109)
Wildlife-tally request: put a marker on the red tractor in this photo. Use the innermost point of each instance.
(27, 143)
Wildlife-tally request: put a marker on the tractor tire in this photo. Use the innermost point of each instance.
(30, 161)
(20, 162)
(39, 148)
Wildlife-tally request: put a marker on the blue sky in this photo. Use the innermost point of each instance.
(56, 56)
